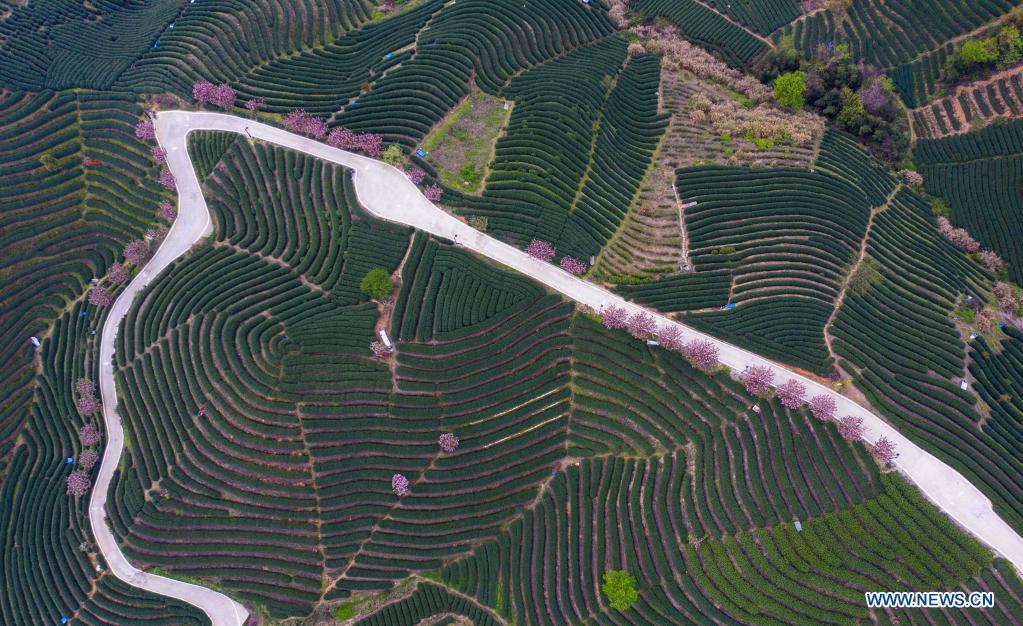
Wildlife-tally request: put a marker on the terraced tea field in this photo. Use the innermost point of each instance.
(483, 443)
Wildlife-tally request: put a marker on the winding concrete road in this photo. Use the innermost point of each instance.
(385, 192)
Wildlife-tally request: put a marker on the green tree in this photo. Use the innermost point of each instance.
(620, 588)
(978, 52)
(392, 155)
(790, 89)
(377, 283)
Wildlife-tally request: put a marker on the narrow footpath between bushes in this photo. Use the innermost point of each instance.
(387, 193)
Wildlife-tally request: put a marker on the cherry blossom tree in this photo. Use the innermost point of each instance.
(223, 97)
(87, 405)
(370, 143)
(851, 427)
(415, 174)
(670, 338)
(985, 320)
(117, 273)
(958, 237)
(433, 193)
(100, 296)
(85, 387)
(701, 354)
(641, 325)
(168, 211)
(254, 104)
(203, 91)
(911, 176)
(540, 249)
(167, 179)
(399, 485)
(757, 379)
(448, 442)
(145, 130)
(990, 260)
(299, 121)
(791, 393)
(137, 252)
(78, 483)
(572, 265)
(88, 458)
(823, 406)
(614, 317)
(89, 435)
(159, 155)
(884, 450)
(341, 138)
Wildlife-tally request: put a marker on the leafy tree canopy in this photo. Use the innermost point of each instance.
(377, 283)
(620, 588)
(790, 89)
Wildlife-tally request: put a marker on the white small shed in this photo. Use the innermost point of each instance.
(384, 338)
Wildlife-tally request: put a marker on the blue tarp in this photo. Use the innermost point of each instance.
(728, 307)
(389, 55)
(420, 152)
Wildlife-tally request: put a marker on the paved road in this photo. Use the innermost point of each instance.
(385, 192)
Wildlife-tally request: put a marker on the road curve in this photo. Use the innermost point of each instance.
(386, 192)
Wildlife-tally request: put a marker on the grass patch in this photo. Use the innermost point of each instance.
(461, 147)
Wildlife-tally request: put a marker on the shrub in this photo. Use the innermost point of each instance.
(620, 588)
(377, 284)
(790, 90)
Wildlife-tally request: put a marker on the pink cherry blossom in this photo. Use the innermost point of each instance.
(641, 325)
(851, 427)
(884, 450)
(167, 179)
(136, 252)
(572, 266)
(670, 338)
(614, 317)
(701, 354)
(448, 442)
(223, 97)
(168, 211)
(399, 485)
(823, 406)
(757, 379)
(88, 458)
(415, 174)
(791, 393)
(540, 249)
(85, 387)
(254, 104)
(159, 155)
(100, 296)
(203, 91)
(433, 193)
(89, 435)
(78, 483)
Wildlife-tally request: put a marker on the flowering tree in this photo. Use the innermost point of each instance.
(757, 379)
(614, 317)
(100, 296)
(912, 177)
(399, 485)
(88, 458)
(572, 265)
(202, 91)
(87, 405)
(254, 104)
(159, 155)
(145, 130)
(415, 174)
(85, 387)
(167, 179)
(89, 435)
(540, 249)
(701, 354)
(641, 325)
(791, 393)
(299, 121)
(168, 211)
(223, 97)
(448, 442)
(958, 237)
(990, 260)
(823, 406)
(433, 193)
(78, 483)
(342, 138)
(851, 427)
(985, 320)
(137, 252)
(884, 450)
(370, 143)
(670, 338)
(1006, 299)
